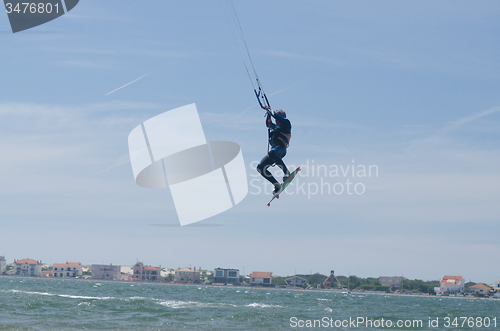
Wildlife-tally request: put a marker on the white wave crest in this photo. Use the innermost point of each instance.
(63, 295)
(139, 298)
(83, 297)
(262, 305)
(190, 304)
(181, 304)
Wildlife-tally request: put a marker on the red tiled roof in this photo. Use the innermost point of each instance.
(480, 286)
(67, 264)
(451, 279)
(27, 261)
(261, 274)
(148, 267)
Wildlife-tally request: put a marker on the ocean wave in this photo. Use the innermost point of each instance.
(83, 297)
(62, 295)
(190, 304)
(182, 304)
(29, 292)
(262, 305)
(85, 303)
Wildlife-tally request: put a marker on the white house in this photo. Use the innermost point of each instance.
(261, 278)
(480, 289)
(452, 284)
(187, 275)
(28, 267)
(68, 269)
(496, 290)
(295, 281)
(3, 264)
(106, 271)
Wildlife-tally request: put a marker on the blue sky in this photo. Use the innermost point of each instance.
(411, 87)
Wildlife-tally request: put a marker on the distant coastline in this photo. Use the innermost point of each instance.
(339, 291)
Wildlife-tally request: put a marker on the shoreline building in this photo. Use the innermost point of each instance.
(106, 271)
(391, 282)
(496, 289)
(451, 284)
(332, 281)
(3, 264)
(28, 267)
(295, 281)
(187, 275)
(261, 278)
(68, 269)
(227, 276)
(480, 289)
(146, 272)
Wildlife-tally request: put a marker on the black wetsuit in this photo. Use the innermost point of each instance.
(279, 139)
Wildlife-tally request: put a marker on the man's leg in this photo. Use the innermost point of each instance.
(276, 155)
(264, 164)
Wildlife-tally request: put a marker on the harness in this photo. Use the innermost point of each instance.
(280, 132)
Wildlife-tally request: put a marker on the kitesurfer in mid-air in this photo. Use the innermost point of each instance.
(279, 138)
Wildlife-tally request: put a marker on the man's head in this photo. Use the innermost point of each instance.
(281, 113)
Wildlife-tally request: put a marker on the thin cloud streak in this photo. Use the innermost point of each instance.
(128, 84)
(452, 126)
(124, 159)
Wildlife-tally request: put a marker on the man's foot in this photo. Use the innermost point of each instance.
(277, 187)
(286, 177)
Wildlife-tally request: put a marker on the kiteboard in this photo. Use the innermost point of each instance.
(284, 185)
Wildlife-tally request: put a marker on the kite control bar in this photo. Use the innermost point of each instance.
(261, 95)
(264, 104)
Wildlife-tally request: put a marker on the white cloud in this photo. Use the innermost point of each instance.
(62, 152)
(457, 124)
(135, 80)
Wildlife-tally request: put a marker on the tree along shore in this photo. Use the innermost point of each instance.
(366, 284)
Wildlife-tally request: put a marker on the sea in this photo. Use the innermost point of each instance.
(64, 304)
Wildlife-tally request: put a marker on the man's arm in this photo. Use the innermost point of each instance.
(278, 117)
(269, 123)
(272, 113)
